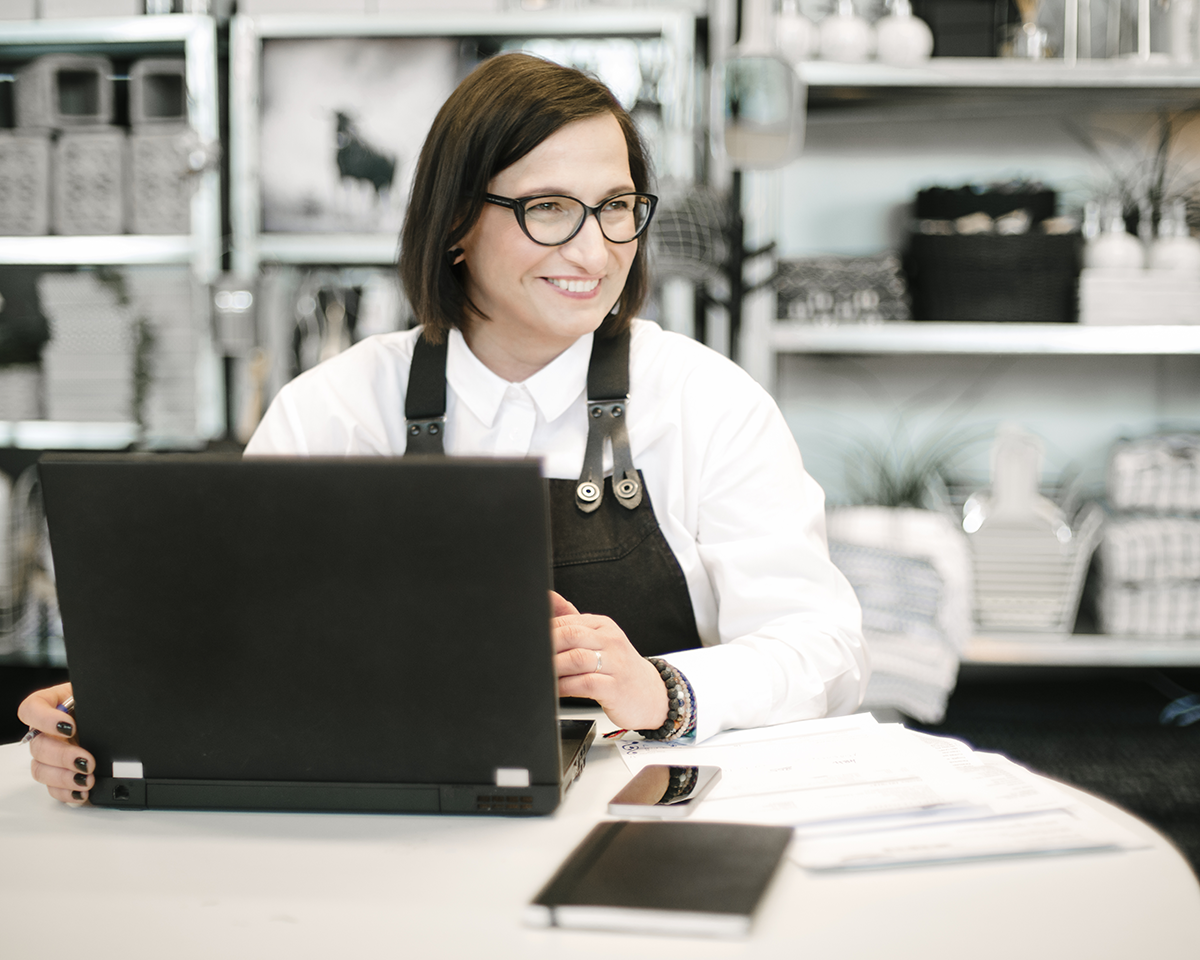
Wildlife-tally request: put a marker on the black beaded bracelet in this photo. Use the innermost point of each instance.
(681, 705)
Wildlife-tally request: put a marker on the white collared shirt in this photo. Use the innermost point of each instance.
(780, 625)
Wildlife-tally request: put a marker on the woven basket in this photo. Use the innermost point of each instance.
(1029, 279)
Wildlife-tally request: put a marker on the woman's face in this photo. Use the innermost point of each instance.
(540, 300)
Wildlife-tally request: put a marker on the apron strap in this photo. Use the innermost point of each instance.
(425, 399)
(608, 396)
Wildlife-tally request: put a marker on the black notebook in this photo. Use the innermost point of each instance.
(698, 879)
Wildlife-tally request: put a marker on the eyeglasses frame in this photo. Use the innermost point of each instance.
(517, 206)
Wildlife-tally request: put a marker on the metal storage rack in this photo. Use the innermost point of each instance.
(193, 37)
(857, 93)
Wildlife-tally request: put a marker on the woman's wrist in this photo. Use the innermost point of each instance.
(681, 704)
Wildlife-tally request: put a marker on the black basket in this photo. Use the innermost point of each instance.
(946, 203)
(1030, 278)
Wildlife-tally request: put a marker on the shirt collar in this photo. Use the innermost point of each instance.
(553, 388)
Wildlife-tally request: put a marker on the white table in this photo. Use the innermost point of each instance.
(225, 886)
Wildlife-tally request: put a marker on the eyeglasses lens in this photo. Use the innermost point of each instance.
(552, 220)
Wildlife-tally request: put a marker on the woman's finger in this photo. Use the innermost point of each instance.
(69, 757)
(39, 711)
(59, 778)
(560, 606)
(578, 661)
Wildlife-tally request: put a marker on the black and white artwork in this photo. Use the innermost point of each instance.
(342, 122)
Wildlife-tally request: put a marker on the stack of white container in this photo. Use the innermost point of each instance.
(87, 365)
(91, 360)
(66, 169)
(1030, 562)
(1151, 549)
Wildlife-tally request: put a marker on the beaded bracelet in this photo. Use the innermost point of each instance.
(680, 782)
(681, 704)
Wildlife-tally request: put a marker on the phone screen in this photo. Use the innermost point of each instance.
(662, 790)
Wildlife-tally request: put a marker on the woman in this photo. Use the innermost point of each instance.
(522, 254)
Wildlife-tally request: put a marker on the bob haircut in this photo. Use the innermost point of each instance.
(499, 113)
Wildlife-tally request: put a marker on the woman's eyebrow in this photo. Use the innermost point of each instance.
(563, 192)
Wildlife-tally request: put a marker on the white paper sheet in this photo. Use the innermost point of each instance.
(864, 794)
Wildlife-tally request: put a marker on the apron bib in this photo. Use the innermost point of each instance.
(610, 555)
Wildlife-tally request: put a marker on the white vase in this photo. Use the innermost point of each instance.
(1114, 248)
(795, 33)
(1174, 248)
(901, 39)
(845, 37)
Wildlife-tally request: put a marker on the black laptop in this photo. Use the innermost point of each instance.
(322, 634)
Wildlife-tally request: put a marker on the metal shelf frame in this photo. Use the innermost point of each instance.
(195, 38)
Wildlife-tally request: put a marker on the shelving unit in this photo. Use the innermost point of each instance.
(855, 97)
(193, 38)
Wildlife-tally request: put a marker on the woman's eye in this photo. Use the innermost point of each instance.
(545, 207)
(619, 205)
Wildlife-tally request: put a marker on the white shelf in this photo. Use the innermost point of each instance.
(120, 249)
(335, 248)
(985, 338)
(1080, 650)
(66, 435)
(1003, 74)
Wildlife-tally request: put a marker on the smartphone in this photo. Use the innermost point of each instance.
(664, 791)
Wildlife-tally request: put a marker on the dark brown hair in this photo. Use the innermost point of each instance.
(499, 113)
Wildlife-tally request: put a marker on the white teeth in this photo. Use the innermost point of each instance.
(575, 286)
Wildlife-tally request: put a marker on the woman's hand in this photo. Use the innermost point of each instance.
(593, 658)
(64, 767)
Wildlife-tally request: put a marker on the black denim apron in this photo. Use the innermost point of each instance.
(610, 555)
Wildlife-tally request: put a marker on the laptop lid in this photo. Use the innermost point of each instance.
(308, 633)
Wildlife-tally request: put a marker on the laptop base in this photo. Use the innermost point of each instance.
(300, 796)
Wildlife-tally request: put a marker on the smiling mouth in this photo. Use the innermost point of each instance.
(575, 286)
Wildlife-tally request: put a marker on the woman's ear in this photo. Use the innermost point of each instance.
(457, 255)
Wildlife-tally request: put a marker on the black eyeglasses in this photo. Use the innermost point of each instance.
(553, 220)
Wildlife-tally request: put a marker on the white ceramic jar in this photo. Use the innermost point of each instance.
(901, 39)
(845, 37)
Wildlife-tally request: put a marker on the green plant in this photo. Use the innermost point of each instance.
(1143, 170)
(898, 471)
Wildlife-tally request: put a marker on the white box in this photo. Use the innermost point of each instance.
(64, 90)
(158, 92)
(24, 183)
(89, 174)
(1110, 297)
(71, 9)
(159, 181)
(18, 9)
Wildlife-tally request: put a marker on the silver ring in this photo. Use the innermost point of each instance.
(599, 661)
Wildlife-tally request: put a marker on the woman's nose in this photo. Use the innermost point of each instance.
(588, 249)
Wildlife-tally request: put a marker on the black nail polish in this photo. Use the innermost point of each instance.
(65, 729)
(81, 763)
(81, 779)
(76, 795)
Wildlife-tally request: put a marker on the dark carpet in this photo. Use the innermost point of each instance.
(1099, 730)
